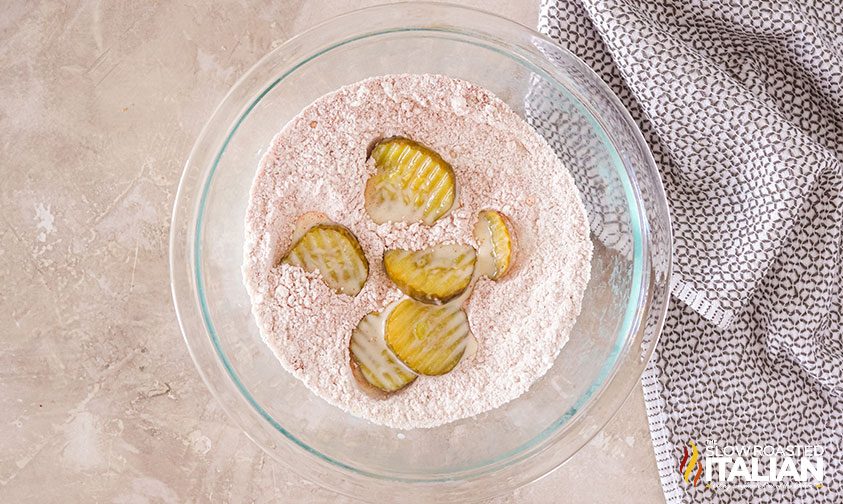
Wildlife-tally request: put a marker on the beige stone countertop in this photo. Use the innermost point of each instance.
(100, 103)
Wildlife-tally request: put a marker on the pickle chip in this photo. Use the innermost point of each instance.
(335, 253)
(433, 275)
(374, 361)
(429, 339)
(493, 233)
(412, 183)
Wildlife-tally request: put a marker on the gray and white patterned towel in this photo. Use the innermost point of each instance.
(742, 105)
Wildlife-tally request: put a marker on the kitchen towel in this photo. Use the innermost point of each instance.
(741, 103)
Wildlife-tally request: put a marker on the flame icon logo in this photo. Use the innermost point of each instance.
(686, 467)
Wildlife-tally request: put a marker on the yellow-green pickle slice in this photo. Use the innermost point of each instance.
(494, 236)
(429, 339)
(334, 252)
(412, 183)
(375, 362)
(433, 275)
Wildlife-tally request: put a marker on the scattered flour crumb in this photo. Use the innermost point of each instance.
(44, 221)
(318, 163)
(199, 442)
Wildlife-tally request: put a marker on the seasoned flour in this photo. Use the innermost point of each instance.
(318, 163)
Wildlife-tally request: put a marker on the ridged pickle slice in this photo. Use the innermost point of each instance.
(412, 183)
(433, 275)
(335, 253)
(375, 362)
(429, 339)
(493, 233)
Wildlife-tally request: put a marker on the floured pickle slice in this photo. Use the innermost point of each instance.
(429, 339)
(433, 275)
(493, 233)
(412, 183)
(335, 253)
(374, 361)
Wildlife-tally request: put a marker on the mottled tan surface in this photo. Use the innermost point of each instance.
(99, 401)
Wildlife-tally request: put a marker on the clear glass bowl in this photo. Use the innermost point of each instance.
(624, 303)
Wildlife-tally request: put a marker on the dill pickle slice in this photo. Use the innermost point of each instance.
(434, 275)
(374, 361)
(430, 340)
(335, 253)
(412, 183)
(493, 233)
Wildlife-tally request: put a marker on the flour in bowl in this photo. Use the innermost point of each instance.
(319, 163)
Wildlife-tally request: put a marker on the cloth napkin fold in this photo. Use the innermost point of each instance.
(742, 106)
